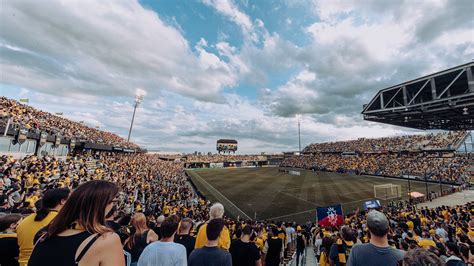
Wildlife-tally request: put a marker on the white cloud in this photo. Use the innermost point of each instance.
(113, 48)
(229, 9)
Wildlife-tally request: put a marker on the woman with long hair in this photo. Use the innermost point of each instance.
(325, 248)
(141, 236)
(79, 235)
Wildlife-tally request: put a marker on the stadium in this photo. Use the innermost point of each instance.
(76, 193)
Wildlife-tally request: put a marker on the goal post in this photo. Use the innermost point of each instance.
(387, 191)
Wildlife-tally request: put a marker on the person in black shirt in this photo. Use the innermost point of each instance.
(210, 254)
(184, 238)
(244, 252)
(9, 249)
(273, 249)
(300, 244)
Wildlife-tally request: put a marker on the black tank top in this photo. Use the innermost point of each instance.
(300, 242)
(139, 245)
(60, 250)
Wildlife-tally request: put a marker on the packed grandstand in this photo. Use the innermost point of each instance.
(153, 196)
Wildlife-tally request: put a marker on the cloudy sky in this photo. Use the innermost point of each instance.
(213, 69)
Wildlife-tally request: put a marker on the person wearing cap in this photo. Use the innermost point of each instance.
(300, 244)
(377, 251)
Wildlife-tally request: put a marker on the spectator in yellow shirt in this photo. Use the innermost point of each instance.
(52, 202)
(426, 242)
(215, 212)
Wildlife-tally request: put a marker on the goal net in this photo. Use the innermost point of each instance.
(387, 191)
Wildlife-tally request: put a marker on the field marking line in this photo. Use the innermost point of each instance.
(300, 199)
(316, 186)
(199, 177)
(347, 202)
(291, 214)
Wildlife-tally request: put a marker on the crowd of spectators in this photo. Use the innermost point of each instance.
(439, 141)
(433, 166)
(160, 220)
(34, 119)
(221, 158)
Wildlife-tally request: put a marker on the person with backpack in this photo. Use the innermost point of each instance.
(340, 250)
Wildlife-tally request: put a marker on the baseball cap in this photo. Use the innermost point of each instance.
(377, 223)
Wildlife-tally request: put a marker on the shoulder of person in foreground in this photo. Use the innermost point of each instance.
(106, 250)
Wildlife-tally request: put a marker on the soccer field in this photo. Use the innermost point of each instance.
(267, 194)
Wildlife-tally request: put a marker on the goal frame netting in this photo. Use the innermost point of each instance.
(387, 191)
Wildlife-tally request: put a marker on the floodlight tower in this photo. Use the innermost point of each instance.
(138, 100)
(298, 116)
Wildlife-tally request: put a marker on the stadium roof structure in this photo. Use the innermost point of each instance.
(443, 100)
(231, 141)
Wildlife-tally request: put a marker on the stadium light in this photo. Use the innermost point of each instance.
(298, 116)
(138, 100)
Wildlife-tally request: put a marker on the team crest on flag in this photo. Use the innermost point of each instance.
(330, 215)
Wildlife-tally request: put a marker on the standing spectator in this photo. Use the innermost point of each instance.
(140, 238)
(318, 244)
(273, 249)
(51, 203)
(165, 252)
(340, 250)
(9, 249)
(157, 227)
(326, 245)
(377, 251)
(211, 254)
(300, 244)
(184, 238)
(419, 256)
(455, 257)
(78, 234)
(290, 232)
(426, 242)
(215, 212)
(243, 251)
(441, 232)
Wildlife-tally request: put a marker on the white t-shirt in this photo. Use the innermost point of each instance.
(163, 254)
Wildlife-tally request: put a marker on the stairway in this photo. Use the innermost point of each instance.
(309, 258)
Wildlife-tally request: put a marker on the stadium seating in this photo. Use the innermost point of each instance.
(32, 118)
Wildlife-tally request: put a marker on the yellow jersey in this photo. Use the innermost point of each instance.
(426, 243)
(224, 238)
(26, 232)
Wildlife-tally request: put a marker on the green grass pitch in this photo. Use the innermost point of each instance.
(267, 194)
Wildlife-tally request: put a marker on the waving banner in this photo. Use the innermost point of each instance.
(330, 215)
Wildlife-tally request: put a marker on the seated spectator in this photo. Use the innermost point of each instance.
(184, 238)
(165, 252)
(377, 251)
(51, 203)
(243, 251)
(141, 236)
(9, 249)
(215, 212)
(79, 235)
(210, 254)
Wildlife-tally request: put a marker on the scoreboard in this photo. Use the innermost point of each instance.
(226, 145)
